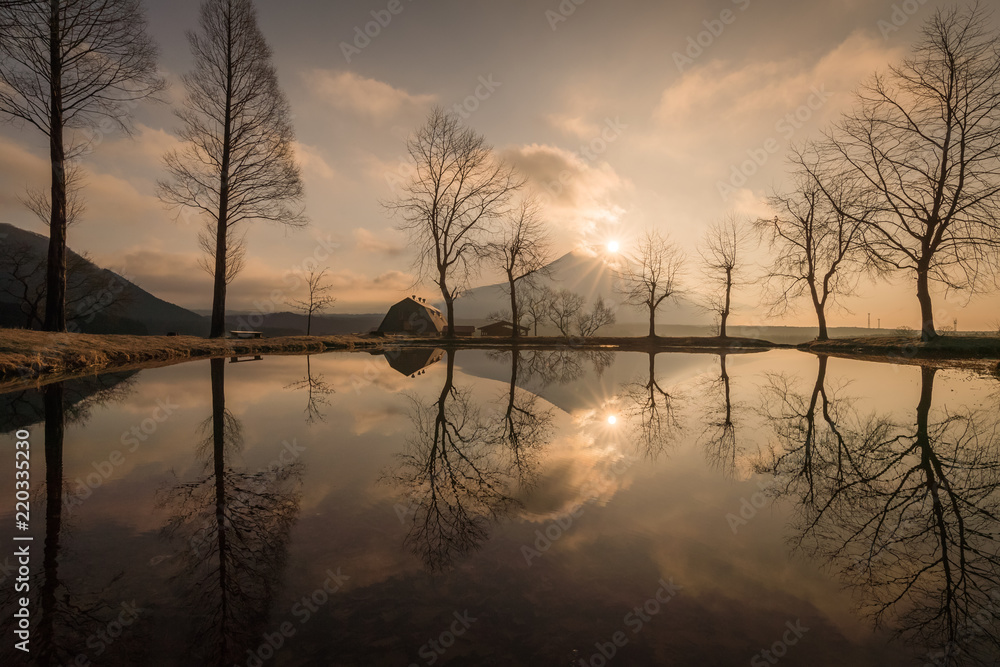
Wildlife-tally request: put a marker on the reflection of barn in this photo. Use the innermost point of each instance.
(413, 316)
(411, 362)
(503, 329)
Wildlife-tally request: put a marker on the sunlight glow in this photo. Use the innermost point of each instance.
(613, 246)
(612, 419)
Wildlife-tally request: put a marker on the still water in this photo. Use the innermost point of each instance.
(486, 508)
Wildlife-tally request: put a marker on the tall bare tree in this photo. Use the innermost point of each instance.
(723, 259)
(318, 299)
(522, 252)
(65, 65)
(925, 138)
(459, 189)
(651, 275)
(816, 244)
(237, 163)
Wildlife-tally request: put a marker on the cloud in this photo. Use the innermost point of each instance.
(179, 278)
(314, 165)
(347, 91)
(386, 242)
(575, 126)
(732, 95)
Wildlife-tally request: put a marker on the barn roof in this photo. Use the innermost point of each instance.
(412, 316)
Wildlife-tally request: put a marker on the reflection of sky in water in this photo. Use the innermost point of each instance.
(625, 513)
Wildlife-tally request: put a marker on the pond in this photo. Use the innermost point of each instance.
(476, 507)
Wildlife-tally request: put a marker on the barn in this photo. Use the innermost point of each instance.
(502, 329)
(413, 316)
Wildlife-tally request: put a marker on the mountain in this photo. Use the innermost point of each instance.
(581, 273)
(134, 310)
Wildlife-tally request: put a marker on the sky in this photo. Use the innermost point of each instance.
(623, 115)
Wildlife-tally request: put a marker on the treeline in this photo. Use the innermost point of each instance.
(906, 183)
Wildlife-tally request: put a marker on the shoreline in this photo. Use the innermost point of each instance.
(33, 358)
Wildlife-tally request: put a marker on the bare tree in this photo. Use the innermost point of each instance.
(71, 64)
(925, 139)
(319, 298)
(815, 241)
(651, 275)
(723, 260)
(521, 251)
(535, 302)
(563, 308)
(588, 322)
(237, 163)
(458, 190)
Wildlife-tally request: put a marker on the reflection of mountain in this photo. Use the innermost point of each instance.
(146, 314)
(24, 407)
(70, 609)
(907, 514)
(577, 272)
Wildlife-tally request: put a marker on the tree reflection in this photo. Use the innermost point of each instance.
(524, 427)
(722, 446)
(460, 469)
(652, 411)
(565, 365)
(69, 611)
(909, 515)
(317, 392)
(232, 526)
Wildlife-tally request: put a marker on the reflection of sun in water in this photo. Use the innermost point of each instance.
(613, 246)
(612, 420)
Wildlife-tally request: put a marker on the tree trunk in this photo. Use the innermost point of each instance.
(449, 303)
(222, 230)
(652, 322)
(927, 331)
(725, 308)
(821, 318)
(55, 272)
(309, 323)
(219, 293)
(515, 320)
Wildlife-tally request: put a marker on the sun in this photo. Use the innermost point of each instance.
(612, 420)
(613, 246)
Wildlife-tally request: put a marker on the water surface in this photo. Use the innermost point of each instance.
(486, 508)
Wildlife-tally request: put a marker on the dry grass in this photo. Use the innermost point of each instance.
(29, 354)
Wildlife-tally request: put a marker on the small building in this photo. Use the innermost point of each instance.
(502, 329)
(461, 331)
(413, 316)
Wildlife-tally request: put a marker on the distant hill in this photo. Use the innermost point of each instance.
(583, 274)
(142, 313)
(294, 324)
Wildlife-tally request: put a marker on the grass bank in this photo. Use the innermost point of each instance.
(974, 352)
(30, 355)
